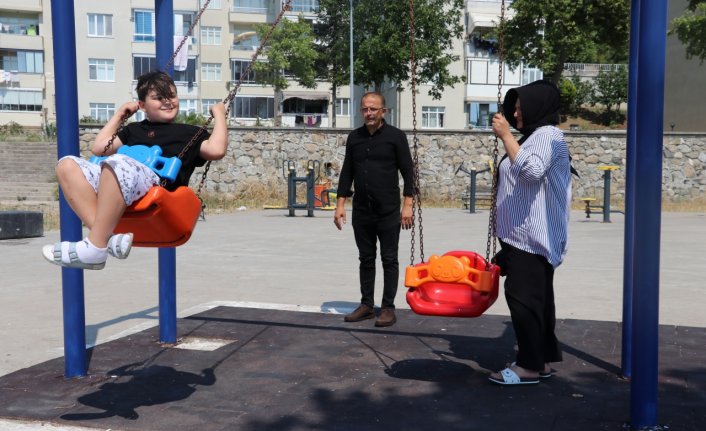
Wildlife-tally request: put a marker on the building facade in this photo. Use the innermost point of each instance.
(116, 43)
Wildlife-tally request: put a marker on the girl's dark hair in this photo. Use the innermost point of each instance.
(158, 81)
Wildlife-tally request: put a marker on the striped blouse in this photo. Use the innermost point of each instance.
(534, 196)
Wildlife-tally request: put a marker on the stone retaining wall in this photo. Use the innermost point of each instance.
(256, 157)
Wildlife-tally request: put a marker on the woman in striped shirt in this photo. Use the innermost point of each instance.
(533, 204)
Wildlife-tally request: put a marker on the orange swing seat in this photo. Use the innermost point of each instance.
(457, 284)
(162, 218)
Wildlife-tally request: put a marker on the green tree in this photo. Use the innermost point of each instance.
(690, 28)
(382, 42)
(548, 33)
(333, 33)
(574, 94)
(291, 51)
(610, 90)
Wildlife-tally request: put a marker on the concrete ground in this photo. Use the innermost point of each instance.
(278, 269)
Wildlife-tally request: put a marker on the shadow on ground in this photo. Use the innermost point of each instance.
(284, 370)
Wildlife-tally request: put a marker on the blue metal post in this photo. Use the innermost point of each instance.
(164, 32)
(648, 168)
(75, 362)
(630, 191)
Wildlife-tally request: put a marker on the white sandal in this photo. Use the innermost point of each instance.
(509, 377)
(64, 254)
(119, 245)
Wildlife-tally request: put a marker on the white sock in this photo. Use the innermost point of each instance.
(89, 253)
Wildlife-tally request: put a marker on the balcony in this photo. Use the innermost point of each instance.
(22, 5)
(306, 7)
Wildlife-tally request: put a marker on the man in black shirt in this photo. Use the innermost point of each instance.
(374, 155)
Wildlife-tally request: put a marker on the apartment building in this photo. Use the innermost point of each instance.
(116, 43)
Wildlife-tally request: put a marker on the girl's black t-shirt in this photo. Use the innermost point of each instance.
(172, 138)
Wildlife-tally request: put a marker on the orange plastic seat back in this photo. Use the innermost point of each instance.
(162, 218)
(456, 284)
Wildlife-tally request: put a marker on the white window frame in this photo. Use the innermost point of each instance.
(210, 71)
(433, 117)
(343, 107)
(102, 111)
(206, 106)
(214, 4)
(188, 106)
(100, 25)
(211, 35)
(143, 37)
(101, 69)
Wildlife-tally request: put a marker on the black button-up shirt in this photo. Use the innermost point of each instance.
(371, 165)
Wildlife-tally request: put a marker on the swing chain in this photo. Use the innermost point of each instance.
(226, 101)
(492, 219)
(416, 197)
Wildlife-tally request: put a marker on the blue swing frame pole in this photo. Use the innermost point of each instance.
(72, 282)
(648, 168)
(628, 250)
(164, 40)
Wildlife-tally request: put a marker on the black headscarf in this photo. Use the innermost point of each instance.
(539, 103)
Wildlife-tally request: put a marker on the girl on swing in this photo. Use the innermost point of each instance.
(100, 193)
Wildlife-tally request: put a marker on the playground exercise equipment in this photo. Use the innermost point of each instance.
(459, 283)
(471, 197)
(605, 208)
(312, 202)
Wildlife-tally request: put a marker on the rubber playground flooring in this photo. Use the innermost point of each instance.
(238, 368)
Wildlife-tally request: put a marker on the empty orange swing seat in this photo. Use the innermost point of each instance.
(162, 218)
(457, 284)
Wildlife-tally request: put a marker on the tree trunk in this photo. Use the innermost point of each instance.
(278, 107)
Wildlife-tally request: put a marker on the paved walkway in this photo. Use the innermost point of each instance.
(259, 260)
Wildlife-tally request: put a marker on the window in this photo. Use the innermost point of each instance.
(206, 106)
(102, 111)
(210, 71)
(142, 65)
(187, 106)
(188, 75)
(214, 4)
(433, 117)
(23, 25)
(479, 114)
(238, 69)
(100, 25)
(306, 6)
(21, 61)
(101, 69)
(250, 6)
(210, 35)
(144, 26)
(20, 100)
(343, 107)
(531, 74)
(182, 23)
(245, 38)
(296, 105)
(254, 107)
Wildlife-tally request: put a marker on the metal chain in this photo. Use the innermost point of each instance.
(226, 101)
(492, 219)
(416, 197)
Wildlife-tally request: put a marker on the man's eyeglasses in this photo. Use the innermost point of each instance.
(372, 110)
